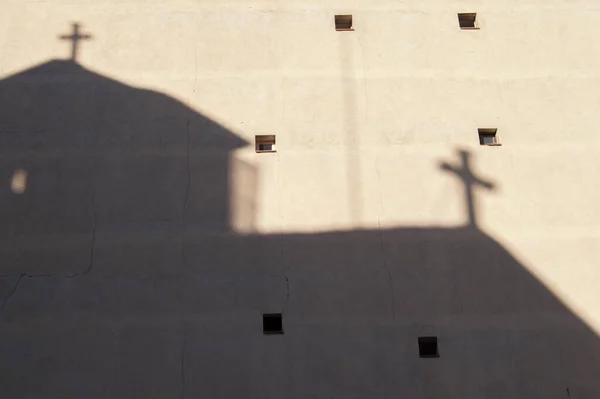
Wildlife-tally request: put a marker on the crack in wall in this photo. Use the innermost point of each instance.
(11, 293)
(187, 194)
(93, 243)
(281, 234)
(76, 274)
(382, 251)
(362, 53)
(287, 288)
(187, 164)
(284, 264)
(183, 347)
(67, 276)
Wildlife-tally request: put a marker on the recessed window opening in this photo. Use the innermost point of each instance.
(467, 20)
(272, 323)
(428, 347)
(265, 143)
(343, 22)
(488, 136)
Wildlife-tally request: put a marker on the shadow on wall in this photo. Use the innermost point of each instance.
(122, 278)
(79, 150)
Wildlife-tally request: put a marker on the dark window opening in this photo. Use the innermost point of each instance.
(272, 323)
(265, 143)
(428, 347)
(467, 20)
(488, 137)
(343, 22)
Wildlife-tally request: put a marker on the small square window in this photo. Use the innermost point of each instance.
(488, 137)
(272, 323)
(265, 143)
(343, 22)
(468, 20)
(428, 347)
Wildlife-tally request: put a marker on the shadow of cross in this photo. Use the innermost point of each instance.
(75, 37)
(469, 181)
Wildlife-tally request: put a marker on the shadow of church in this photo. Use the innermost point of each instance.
(121, 275)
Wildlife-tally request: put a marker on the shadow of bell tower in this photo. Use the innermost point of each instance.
(86, 150)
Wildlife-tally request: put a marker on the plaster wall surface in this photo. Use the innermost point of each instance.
(142, 236)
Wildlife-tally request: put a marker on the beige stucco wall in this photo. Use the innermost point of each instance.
(363, 120)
